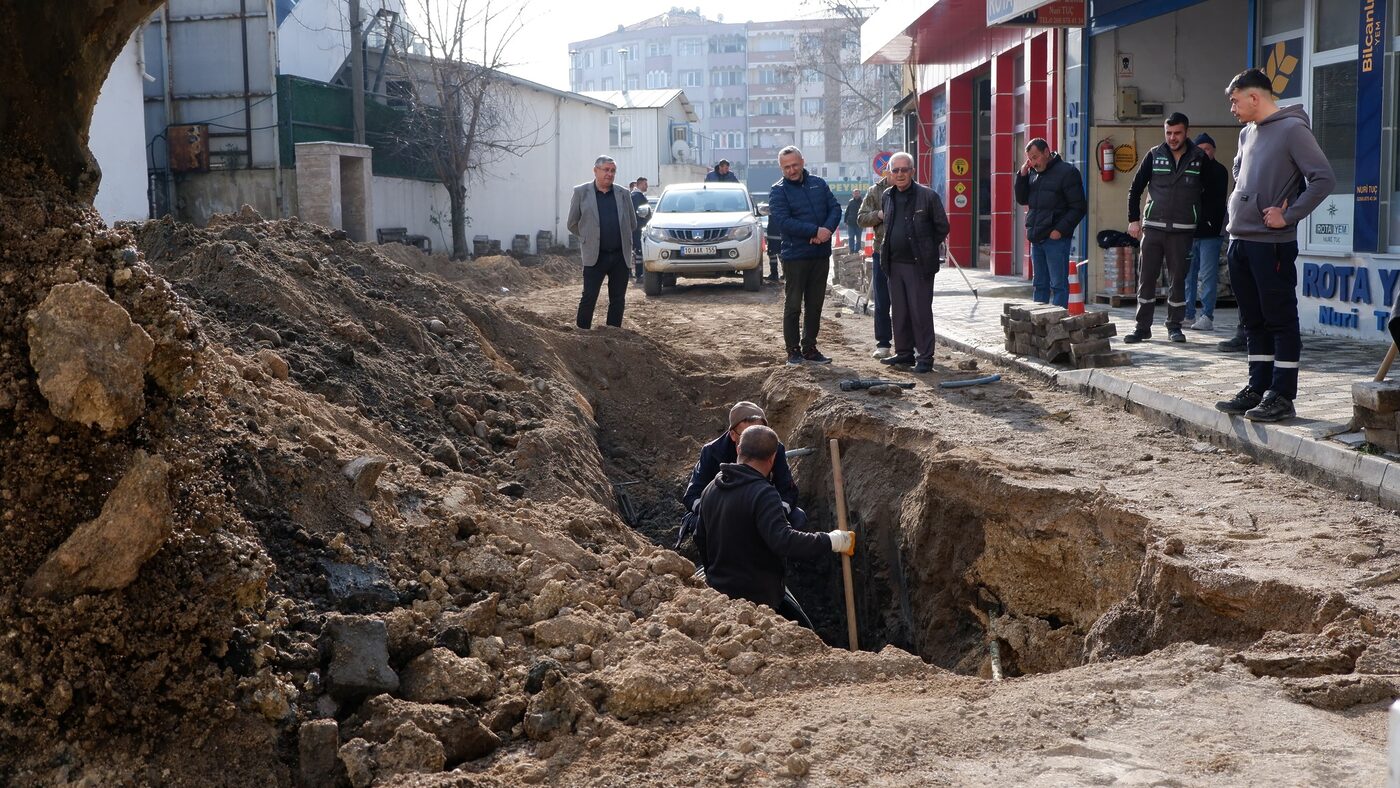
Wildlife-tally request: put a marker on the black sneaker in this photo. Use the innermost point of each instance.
(815, 356)
(1235, 344)
(1176, 336)
(1241, 402)
(1273, 407)
(899, 359)
(794, 357)
(924, 366)
(1137, 336)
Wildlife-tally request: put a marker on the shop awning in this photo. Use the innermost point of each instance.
(932, 32)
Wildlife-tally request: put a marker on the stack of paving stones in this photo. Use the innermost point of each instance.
(1051, 334)
(1376, 407)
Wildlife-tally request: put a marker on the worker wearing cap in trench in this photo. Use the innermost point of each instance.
(725, 449)
(743, 536)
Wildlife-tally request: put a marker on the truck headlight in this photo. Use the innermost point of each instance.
(656, 233)
(741, 232)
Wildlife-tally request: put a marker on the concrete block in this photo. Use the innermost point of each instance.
(1082, 350)
(1151, 398)
(1008, 306)
(1095, 332)
(1092, 319)
(1370, 472)
(1327, 456)
(1055, 350)
(1383, 397)
(1269, 437)
(1369, 419)
(1195, 413)
(1048, 314)
(1117, 358)
(1018, 312)
(1077, 379)
(1056, 331)
(1389, 440)
(1110, 384)
(1390, 486)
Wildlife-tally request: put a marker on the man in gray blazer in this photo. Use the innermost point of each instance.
(604, 220)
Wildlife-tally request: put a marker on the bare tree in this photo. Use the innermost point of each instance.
(462, 113)
(856, 95)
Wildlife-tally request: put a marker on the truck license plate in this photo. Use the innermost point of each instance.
(699, 251)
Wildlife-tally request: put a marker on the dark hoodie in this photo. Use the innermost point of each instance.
(744, 537)
(1277, 157)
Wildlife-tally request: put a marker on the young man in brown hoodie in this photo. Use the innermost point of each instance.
(1281, 175)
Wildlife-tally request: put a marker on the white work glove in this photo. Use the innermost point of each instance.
(787, 508)
(843, 542)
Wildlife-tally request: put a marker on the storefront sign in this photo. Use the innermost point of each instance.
(1347, 299)
(1330, 226)
(1037, 13)
(1369, 99)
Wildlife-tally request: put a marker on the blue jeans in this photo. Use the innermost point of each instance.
(1050, 279)
(884, 329)
(853, 239)
(1207, 250)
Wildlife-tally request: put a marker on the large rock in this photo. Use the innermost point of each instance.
(439, 675)
(363, 473)
(106, 553)
(359, 657)
(411, 751)
(318, 746)
(461, 732)
(90, 358)
(567, 630)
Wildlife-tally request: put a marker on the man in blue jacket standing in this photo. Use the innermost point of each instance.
(721, 173)
(808, 214)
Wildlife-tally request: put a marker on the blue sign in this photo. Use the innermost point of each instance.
(881, 160)
(1369, 98)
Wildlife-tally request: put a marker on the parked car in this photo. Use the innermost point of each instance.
(702, 230)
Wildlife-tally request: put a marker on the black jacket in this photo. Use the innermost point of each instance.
(722, 450)
(713, 176)
(1215, 197)
(927, 226)
(1173, 189)
(743, 537)
(1055, 199)
(639, 198)
(852, 216)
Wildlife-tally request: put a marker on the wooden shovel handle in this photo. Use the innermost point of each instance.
(845, 559)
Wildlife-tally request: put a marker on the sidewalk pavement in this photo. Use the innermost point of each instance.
(1179, 384)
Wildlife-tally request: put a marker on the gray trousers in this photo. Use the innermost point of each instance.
(1158, 249)
(911, 310)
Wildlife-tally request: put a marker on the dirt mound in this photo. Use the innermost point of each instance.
(491, 274)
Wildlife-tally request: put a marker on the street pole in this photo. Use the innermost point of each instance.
(357, 72)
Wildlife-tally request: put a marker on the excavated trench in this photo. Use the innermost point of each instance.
(958, 549)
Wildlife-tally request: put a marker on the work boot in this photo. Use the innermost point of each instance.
(815, 356)
(1273, 407)
(794, 357)
(1174, 335)
(1137, 336)
(1203, 323)
(882, 351)
(1241, 403)
(1235, 344)
(923, 366)
(901, 359)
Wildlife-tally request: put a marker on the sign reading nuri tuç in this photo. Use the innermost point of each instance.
(1351, 288)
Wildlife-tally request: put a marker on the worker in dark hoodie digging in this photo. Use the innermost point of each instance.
(1281, 175)
(744, 535)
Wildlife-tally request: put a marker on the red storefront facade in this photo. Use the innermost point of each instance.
(983, 92)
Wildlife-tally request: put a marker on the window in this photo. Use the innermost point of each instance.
(773, 107)
(854, 138)
(619, 131)
(726, 108)
(728, 140)
(658, 48)
(589, 85)
(658, 79)
(631, 83)
(608, 83)
(726, 76)
(813, 138)
(690, 47)
(1334, 119)
(812, 106)
(1336, 25)
(690, 78)
(780, 43)
(699, 111)
(811, 75)
(588, 60)
(606, 57)
(773, 75)
(727, 43)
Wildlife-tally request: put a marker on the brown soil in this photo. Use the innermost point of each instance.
(1166, 612)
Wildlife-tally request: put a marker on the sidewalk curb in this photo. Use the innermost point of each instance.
(1317, 461)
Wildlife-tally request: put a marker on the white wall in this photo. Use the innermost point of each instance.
(314, 40)
(640, 158)
(1183, 59)
(401, 202)
(529, 193)
(117, 140)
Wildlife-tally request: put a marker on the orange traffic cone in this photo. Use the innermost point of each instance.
(869, 245)
(1076, 289)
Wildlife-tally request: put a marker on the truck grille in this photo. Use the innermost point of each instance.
(707, 236)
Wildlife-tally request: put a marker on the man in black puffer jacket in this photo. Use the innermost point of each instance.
(744, 537)
(915, 228)
(1053, 190)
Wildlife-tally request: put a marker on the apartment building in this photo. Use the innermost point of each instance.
(755, 87)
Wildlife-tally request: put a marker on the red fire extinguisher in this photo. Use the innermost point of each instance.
(1106, 160)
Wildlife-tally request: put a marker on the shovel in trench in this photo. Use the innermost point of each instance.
(845, 559)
